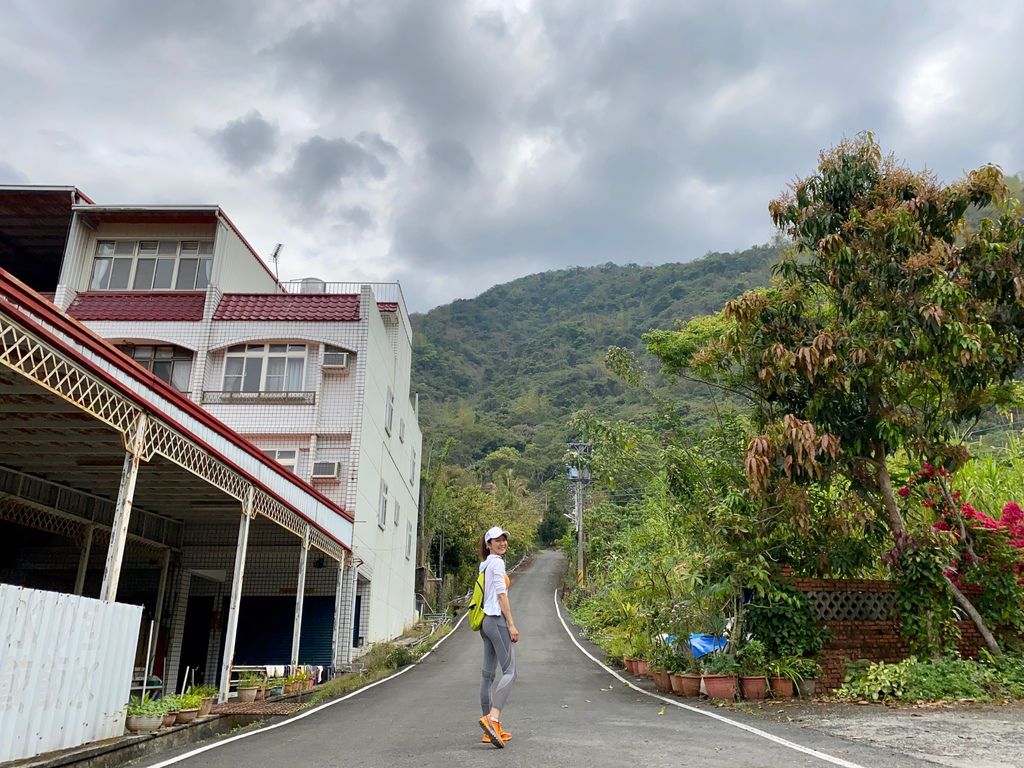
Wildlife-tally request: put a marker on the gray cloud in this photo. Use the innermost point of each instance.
(321, 164)
(245, 142)
(464, 143)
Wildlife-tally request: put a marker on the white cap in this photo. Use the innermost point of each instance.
(494, 533)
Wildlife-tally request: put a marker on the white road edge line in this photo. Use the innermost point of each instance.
(308, 712)
(706, 713)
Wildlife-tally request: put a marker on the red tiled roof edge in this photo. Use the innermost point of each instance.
(25, 297)
(308, 307)
(186, 306)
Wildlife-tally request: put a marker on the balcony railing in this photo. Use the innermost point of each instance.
(214, 397)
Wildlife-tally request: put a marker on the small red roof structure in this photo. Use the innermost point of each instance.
(313, 307)
(164, 306)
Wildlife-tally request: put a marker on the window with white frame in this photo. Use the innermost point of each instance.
(265, 368)
(389, 411)
(401, 430)
(152, 265)
(412, 468)
(166, 362)
(408, 541)
(382, 519)
(397, 513)
(286, 459)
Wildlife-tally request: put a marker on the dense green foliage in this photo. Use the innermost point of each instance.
(508, 367)
(937, 680)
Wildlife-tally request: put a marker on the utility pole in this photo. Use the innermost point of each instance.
(577, 476)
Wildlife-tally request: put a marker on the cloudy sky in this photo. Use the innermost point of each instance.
(456, 145)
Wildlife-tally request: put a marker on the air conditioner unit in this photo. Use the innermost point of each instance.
(326, 469)
(335, 359)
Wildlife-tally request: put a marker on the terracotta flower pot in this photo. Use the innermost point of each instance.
(186, 715)
(169, 719)
(308, 684)
(643, 668)
(630, 664)
(662, 680)
(207, 706)
(719, 686)
(782, 687)
(754, 687)
(690, 685)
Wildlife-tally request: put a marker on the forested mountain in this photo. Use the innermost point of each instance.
(510, 366)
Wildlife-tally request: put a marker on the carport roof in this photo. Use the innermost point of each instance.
(45, 432)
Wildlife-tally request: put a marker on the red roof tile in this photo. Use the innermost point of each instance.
(387, 306)
(134, 305)
(314, 307)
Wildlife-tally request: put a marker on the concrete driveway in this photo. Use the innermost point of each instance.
(566, 710)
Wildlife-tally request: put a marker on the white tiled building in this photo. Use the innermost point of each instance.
(315, 375)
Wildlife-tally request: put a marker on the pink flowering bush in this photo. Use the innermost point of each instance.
(988, 553)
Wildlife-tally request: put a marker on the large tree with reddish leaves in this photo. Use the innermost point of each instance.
(891, 325)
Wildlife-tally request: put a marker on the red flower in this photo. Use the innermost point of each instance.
(904, 491)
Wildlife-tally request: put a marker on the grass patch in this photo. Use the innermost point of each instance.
(380, 661)
(936, 680)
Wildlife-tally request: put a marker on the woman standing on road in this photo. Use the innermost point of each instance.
(498, 632)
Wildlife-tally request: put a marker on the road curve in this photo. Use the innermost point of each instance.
(565, 710)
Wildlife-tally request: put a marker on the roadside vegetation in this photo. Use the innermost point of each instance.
(860, 427)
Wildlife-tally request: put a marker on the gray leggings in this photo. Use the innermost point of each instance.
(497, 651)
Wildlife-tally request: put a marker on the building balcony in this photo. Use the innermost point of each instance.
(220, 397)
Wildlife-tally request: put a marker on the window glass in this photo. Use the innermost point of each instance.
(206, 248)
(278, 348)
(190, 248)
(251, 376)
(144, 274)
(164, 273)
(294, 379)
(100, 274)
(205, 273)
(119, 273)
(124, 247)
(180, 375)
(105, 248)
(162, 370)
(275, 374)
(187, 269)
(233, 374)
(147, 248)
(168, 248)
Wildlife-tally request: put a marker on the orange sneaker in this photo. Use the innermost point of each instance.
(492, 732)
(505, 735)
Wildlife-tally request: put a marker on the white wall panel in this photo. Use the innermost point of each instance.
(65, 669)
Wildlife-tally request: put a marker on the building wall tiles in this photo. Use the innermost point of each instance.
(235, 268)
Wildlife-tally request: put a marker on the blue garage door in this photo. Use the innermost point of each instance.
(265, 630)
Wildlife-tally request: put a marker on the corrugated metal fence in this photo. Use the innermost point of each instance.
(65, 669)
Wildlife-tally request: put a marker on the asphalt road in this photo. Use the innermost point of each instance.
(565, 710)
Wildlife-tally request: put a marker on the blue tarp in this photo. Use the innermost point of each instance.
(704, 644)
(700, 644)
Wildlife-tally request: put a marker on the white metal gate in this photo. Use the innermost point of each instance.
(65, 669)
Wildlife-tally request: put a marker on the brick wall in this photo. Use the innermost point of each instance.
(859, 614)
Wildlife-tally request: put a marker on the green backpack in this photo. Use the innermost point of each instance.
(476, 605)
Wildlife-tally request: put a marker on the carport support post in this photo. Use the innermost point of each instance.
(83, 560)
(123, 510)
(236, 597)
(300, 594)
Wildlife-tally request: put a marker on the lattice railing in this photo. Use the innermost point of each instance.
(27, 354)
(853, 606)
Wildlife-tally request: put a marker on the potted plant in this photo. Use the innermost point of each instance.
(719, 675)
(806, 671)
(752, 659)
(782, 674)
(190, 704)
(248, 684)
(659, 661)
(143, 715)
(208, 694)
(170, 705)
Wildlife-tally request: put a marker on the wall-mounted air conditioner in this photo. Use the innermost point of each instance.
(324, 469)
(335, 359)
